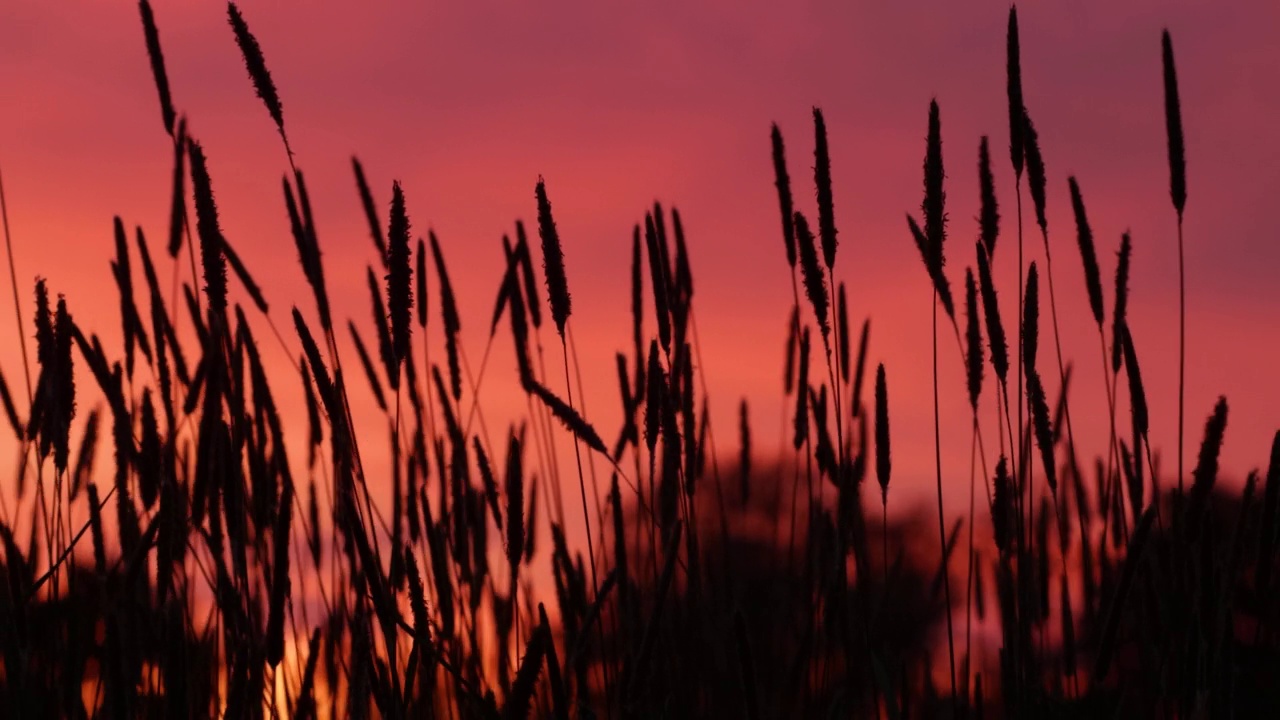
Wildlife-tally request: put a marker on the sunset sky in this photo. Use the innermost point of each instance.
(467, 104)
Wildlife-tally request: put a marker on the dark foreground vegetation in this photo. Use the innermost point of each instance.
(216, 576)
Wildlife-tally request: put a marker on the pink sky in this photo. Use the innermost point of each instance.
(468, 103)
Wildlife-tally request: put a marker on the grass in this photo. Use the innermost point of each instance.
(229, 579)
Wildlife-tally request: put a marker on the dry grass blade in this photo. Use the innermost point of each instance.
(989, 215)
(449, 313)
(257, 67)
(318, 369)
(552, 260)
(382, 324)
(822, 179)
(637, 310)
(255, 293)
(744, 442)
(570, 418)
(134, 332)
(509, 281)
(370, 209)
(1173, 128)
(367, 363)
(488, 481)
(842, 328)
(783, 182)
(421, 280)
(178, 199)
(10, 410)
(533, 304)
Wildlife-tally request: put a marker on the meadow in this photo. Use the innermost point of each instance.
(663, 567)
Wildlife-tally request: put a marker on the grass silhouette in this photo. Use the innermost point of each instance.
(228, 579)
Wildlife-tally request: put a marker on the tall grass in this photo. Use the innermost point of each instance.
(232, 580)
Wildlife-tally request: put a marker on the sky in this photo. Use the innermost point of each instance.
(616, 106)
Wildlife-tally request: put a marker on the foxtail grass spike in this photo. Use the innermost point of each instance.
(532, 303)
(863, 339)
(399, 280)
(211, 253)
(1173, 127)
(822, 179)
(1041, 425)
(257, 67)
(989, 215)
(1035, 169)
(1206, 470)
(370, 210)
(1137, 395)
(1013, 76)
(552, 260)
(815, 283)
(658, 275)
(935, 198)
(883, 457)
(449, 313)
(1119, 318)
(1084, 237)
(973, 336)
(991, 309)
(783, 182)
(157, 64)
(1031, 317)
(936, 274)
(1002, 507)
(802, 394)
